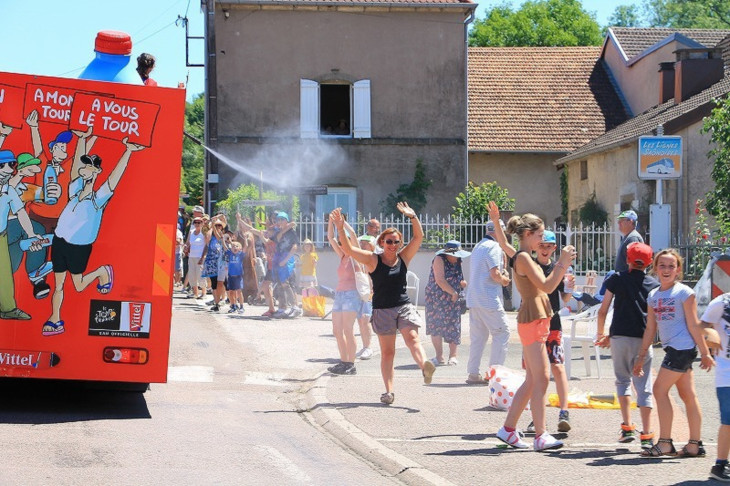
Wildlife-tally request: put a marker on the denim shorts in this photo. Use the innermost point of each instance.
(346, 301)
(366, 309)
(723, 396)
(679, 360)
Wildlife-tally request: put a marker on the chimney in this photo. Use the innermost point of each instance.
(666, 81)
(696, 70)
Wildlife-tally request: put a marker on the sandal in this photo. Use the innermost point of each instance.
(53, 328)
(436, 362)
(387, 398)
(453, 361)
(655, 451)
(684, 452)
(107, 287)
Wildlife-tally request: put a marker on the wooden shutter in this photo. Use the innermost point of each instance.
(361, 109)
(309, 108)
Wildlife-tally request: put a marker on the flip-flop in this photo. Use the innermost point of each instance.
(56, 326)
(107, 287)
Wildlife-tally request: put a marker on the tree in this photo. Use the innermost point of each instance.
(537, 23)
(193, 157)
(690, 14)
(471, 208)
(625, 16)
(718, 199)
(234, 203)
(414, 193)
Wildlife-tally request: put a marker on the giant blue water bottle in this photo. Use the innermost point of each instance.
(113, 61)
(49, 176)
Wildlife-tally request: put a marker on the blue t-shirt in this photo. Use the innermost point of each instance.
(235, 263)
(668, 307)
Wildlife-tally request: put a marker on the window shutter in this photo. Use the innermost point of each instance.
(309, 108)
(361, 109)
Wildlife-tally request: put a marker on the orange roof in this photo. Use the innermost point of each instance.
(539, 99)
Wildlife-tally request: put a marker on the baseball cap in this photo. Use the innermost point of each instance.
(368, 238)
(7, 156)
(282, 215)
(26, 159)
(549, 237)
(630, 215)
(639, 254)
(490, 225)
(63, 137)
(198, 209)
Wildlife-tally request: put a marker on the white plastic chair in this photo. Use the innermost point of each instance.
(413, 283)
(583, 330)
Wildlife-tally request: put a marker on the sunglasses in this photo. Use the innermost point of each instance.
(392, 242)
(197, 222)
(13, 163)
(93, 160)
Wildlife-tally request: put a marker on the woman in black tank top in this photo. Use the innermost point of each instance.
(392, 310)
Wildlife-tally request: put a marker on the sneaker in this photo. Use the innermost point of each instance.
(513, 439)
(546, 442)
(365, 353)
(563, 421)
(476, 379)
(428, 370)
(210, 302)
(41, 289)
(279, 314)
(718, 471)
(627, 433)
(647, 440)
(215, 308)
(41, 271)
(240, 310)
(294, 312)
(232, 310)
(530, 428)
(387, 398)
(15, 314)
(337, 369)
(350, 369)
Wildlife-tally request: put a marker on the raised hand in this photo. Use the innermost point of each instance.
(405, 210)
(32, 119)
(493, 211)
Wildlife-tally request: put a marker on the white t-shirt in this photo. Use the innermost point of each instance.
(718, 314)
(197, 244)
(483, 291)
(668, 307)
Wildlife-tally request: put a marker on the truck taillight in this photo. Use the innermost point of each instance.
(126, 355)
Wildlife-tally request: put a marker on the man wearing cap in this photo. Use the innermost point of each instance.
(627, 228)
(10, 203)
(486, 307)
(36, 263)
(47, 214)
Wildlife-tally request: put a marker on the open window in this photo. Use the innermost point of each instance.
(335, 109)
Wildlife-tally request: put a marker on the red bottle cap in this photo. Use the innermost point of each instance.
(113, 42)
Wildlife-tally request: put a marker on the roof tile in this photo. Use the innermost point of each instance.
(539, 99)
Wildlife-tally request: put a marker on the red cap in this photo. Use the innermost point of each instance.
(639, 254)
(113, 42)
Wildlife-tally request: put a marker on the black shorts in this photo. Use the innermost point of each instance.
(679, 360)
(67, 257)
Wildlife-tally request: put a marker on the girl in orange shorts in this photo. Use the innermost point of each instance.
(533, 326)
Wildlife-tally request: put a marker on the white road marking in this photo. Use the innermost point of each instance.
(286, 466)
(196, 374)
(269, 379)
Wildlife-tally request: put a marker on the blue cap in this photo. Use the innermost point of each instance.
(282, 215)
(549, 237)
(63, 137)
(7, 156)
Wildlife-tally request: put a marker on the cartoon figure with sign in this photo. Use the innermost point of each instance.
(79, 224)
(47, 210)
(36, 263)
(10, 203)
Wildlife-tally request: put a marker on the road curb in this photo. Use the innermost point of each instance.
(331, 420)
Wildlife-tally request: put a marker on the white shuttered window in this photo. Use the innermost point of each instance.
(312, 105)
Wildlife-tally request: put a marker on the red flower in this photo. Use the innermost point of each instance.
(704, 237)
(697, 210)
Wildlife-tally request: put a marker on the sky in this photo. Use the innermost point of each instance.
(56, 37)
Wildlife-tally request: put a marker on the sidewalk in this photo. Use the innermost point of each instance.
(444, 433)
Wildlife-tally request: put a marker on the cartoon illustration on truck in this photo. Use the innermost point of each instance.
(662, 166)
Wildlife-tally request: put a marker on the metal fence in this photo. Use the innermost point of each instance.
(596, 245)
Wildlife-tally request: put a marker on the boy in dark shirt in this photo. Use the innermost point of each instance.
(631, 289)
